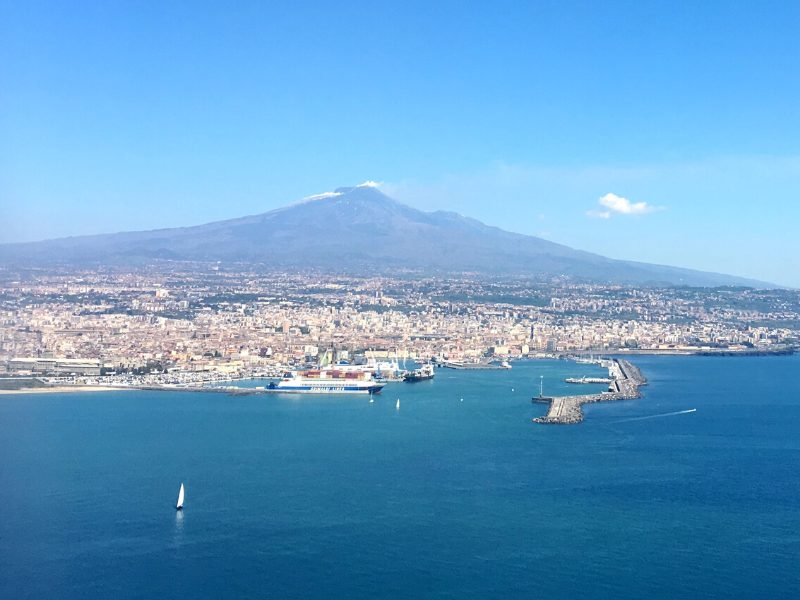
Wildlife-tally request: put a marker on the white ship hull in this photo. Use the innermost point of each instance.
(321, 388)
(328, 382)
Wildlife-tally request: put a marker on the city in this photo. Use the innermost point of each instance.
(209, 322)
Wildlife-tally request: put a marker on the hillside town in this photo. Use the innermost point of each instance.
(223, 322)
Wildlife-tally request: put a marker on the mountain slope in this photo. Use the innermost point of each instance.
(357, 229)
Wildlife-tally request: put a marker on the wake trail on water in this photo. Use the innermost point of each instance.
(658, 416)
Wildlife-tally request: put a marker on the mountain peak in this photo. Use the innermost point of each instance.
(366, 190)
(357, 229)
(367, 185)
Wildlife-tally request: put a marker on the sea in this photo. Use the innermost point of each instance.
(692, 491)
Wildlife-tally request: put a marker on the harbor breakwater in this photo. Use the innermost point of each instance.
(626, 379)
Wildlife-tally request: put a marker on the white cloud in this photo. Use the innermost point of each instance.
(370, 183)
(510, 195)
(614, 204)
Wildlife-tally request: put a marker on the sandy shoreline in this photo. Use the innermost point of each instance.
(62, 389)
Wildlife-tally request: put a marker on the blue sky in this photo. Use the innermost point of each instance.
(118, 116)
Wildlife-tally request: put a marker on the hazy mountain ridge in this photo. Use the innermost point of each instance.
(358, 229)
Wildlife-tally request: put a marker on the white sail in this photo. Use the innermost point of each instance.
(180, 499)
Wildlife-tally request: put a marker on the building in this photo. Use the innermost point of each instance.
(54, 366)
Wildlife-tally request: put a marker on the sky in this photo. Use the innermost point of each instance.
(665, 132)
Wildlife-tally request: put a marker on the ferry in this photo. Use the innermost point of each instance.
(337, 380)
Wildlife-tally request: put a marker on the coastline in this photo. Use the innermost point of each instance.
(703, 352)
(63, 389)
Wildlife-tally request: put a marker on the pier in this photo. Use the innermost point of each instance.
(470, 366)
(566, 410)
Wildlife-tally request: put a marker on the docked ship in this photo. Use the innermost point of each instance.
(337, 380)
(424, 373)
(385, 370)
(585, 379)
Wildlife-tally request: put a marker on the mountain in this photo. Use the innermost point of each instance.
(357, 230)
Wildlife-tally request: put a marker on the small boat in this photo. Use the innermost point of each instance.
(397, 406)
(585, 379)
(179, 505)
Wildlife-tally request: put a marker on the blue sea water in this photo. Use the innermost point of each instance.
(334, 497)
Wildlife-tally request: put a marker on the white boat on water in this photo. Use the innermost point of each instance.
(179, 505)
(335, 380)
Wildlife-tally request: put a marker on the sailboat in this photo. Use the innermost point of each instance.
(397, 406)
(179, 505)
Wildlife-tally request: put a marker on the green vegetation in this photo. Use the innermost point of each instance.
(20, 383)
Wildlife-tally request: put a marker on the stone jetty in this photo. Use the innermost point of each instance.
(625, 382)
